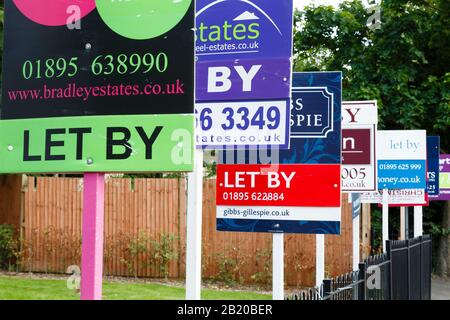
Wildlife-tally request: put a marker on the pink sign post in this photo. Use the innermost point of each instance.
(92, 236)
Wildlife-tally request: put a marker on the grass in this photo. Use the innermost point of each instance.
(18, 288)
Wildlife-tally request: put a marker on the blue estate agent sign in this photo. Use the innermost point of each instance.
(243, 72)
(243, 49)
(315, 119)
(241, 29)
(320, 93)
(311, 112)
(401, 159)
(305, 148)
(433, 149)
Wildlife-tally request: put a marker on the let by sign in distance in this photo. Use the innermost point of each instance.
(444, 178)
(404, 197)
(359, 125)
(401, 158)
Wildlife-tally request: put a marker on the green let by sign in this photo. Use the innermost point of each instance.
(143, 143)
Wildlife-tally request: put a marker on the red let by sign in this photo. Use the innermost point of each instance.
(296, 185)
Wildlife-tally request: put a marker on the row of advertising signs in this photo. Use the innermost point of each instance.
(99, 63)
(297, 191)
(107, 98)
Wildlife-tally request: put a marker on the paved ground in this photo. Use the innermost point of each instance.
(440, 289)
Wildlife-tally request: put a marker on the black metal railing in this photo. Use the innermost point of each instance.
(315, 293)
(377, 275)
(349, 286)
(411, 268)
(403, 272)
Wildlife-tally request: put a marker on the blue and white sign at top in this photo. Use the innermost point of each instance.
(401, 159)
(243, 75)
(237, 29)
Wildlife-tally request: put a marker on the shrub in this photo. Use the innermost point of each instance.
(164, 252)
(135, 246)
(264, 260)
(9, 247)
(230, 265)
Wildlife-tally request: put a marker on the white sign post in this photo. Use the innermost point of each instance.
(194, 230)
(320, 259)
(385, 218)
(355, 243)
(278, 266)
(355, 201)
(418, 218)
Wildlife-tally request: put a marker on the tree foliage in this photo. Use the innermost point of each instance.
(403, 64)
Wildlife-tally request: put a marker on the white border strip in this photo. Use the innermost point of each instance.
(280, 213)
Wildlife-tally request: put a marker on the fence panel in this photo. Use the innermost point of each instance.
(400, 269)
(426, 267)
(411, 268)
(403, 272)
(415, 268)
(142, 209)
(10, 199)
(378, 277)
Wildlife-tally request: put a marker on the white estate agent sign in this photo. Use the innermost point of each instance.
(401, 158)
(359, 127)
(396, 197)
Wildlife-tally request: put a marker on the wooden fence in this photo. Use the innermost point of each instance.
(139, 209)
(10, 199)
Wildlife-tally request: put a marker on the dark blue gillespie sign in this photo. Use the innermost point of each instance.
(315, 139)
